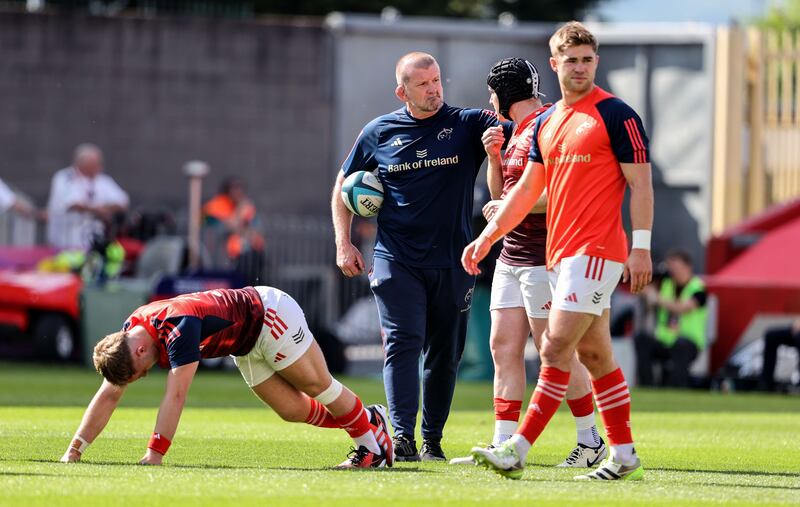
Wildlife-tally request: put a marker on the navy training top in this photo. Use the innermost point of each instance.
(428, 169)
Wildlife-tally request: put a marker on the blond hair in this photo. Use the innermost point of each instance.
(417, 60)
(570, 35)
(112, 358)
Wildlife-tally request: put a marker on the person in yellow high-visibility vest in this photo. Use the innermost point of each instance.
(680, 330)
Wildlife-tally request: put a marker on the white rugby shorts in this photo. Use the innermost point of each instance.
(584, 283)
(283, 339)
(521, 286)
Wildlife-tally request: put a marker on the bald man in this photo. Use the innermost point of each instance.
(427, 155)
(83, 200)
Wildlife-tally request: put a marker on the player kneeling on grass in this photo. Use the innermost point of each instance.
(266, 332)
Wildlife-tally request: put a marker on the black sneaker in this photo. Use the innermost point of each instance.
(405, 448)
(431, 450)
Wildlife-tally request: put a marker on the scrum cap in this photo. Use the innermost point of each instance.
(513, 80)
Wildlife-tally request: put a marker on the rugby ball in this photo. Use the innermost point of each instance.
(362, 193)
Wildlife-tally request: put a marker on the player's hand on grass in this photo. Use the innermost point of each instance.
(349, 260)
(490, 209)
(71, 456)
(151, 457)
(638, 269)
(493, 139)
(474, 253)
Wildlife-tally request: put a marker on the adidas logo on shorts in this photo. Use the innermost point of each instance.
(276, 325)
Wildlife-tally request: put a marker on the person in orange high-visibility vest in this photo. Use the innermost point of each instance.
(235, 212)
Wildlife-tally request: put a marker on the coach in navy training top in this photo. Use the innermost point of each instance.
(427, 156)
(428, 169)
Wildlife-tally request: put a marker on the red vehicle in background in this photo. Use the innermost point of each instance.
(39, 312)
(51, 315)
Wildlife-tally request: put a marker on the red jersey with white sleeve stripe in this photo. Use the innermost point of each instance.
(581, 146)
(208, 324)
(525, 244)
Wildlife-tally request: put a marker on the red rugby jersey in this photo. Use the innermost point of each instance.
(213, 323)
(525, 244)
(581, 147)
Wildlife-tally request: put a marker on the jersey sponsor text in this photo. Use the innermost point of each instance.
(422, 164)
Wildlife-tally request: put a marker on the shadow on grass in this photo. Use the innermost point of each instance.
(748, 486)
(35, 474)
(749, 473)
(356, 470)
(167, 465)
(752, 473)
(733, 473)
(210, 466)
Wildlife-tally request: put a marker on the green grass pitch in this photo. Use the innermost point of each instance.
(697, 448)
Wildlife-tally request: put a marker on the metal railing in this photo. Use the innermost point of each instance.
(18, 230)
(299, 258)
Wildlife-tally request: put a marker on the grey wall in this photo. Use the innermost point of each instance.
(279, 103)
(251, 98)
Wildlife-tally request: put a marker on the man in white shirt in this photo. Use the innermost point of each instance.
(82, 199)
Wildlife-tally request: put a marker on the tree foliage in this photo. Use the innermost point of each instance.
(783, 16)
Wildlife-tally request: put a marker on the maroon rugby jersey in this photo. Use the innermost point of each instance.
(213, 323)
(525, 245)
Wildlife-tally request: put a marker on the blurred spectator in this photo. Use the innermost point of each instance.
(233, 211)
(10, 201)
(632, 314)
(788, 336)
(103, 260)
(83, 201)
(680, 327)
